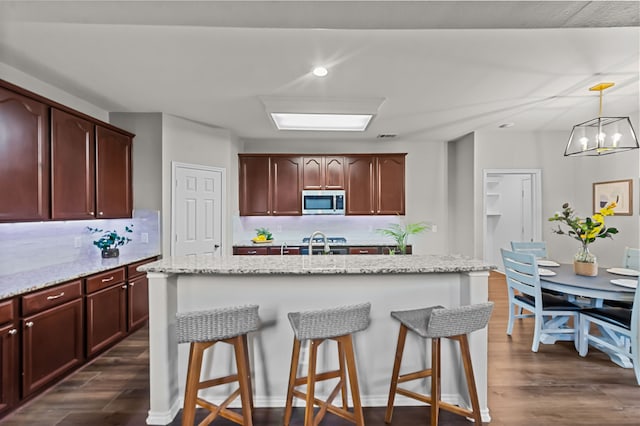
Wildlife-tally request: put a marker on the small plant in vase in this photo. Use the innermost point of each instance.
(586, 231)
(401, 234)
(109, 241)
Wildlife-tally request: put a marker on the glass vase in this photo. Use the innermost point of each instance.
(585, 262)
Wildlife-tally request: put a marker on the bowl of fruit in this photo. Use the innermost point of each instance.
(262, 236)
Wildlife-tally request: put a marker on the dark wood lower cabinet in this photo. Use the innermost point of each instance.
(51, 345)
(9, 346)
(138, 301)
(106, 318)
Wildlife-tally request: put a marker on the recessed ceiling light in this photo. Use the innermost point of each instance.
(326, 122)
(320, 71)
(506, 125)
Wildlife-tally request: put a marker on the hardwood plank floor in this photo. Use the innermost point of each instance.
(554, 386)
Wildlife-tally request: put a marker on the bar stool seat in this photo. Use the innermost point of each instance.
(336, 324)
(203, 329)
(436, 322)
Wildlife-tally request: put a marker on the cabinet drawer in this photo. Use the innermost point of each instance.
(48, 298)
(7, 311)
(104, 280)
(286, 250)
(132, 271)
(364, 250)
(251, 250)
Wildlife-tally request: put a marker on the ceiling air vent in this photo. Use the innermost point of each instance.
(386, 136)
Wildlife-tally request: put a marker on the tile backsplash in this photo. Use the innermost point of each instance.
(32, 245)
(293, 228)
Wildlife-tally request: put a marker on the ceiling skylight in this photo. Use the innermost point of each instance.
(321, 114)
(326, 122)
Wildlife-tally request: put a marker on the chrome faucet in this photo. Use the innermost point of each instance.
(282, 247)
(324, 237)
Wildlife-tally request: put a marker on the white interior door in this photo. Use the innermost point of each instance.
(197, 199)
(512, 210)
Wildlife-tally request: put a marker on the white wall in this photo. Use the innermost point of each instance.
(146, 157)
(187, 141)
(425, 171)
(461, 199)
(564, 179)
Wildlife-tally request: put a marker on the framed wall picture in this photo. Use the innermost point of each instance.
(620, 191)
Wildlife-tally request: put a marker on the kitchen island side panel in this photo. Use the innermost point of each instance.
(270, 347)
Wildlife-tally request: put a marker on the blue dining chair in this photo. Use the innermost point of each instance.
(538, 248)
(618, 331)
(551, 313)
(631, 258)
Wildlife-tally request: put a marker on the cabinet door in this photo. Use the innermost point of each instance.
(72, 167)
(286, 174)
(333, 172)
(51, 345)
(360, 185)
(255, 190)
(8, 367)
(390, 184)
(284, 251)
(138, 306)
(106, 318)
(24, 158)
(364, 250)
(313, 173)
(113, 174)
(250, 251)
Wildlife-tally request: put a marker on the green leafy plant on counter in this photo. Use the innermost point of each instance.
(110, 239)
(263, 234)
(401, 234)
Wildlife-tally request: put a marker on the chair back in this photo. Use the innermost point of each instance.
(631, 258)
(333, 322)
(538, 248)
(521, 270)
(459, 320)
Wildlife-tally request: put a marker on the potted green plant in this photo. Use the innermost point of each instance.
(109, 241)
(401, 234)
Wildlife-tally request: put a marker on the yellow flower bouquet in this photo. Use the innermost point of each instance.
(585, 230)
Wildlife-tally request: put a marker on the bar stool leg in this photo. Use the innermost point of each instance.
(244, 381)
(343, 377)
(471, 382)
(435, 380)
(353, 379)
(245, 344)
(196, 350)
(295, 356)
(311, 381)
(402, 336)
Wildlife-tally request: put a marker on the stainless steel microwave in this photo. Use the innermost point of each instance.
(323, 202)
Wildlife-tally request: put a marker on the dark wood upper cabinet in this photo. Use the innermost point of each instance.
(255, 189)
(323, 172)
(24, 158)
(375, 184)
(360, 196)
(73, 179)
(114, 198)
(390, 184)
(286, 176)
(270, 185)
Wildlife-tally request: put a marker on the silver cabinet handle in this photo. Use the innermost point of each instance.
(106, 280)
(57, 296)
(364, 251)
(252, 252)
(100, 213)
(91, 213)
(132, 284)
(124, 286)
(13, 331)
(29, 324)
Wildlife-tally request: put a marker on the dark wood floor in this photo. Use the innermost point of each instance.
(552, 387)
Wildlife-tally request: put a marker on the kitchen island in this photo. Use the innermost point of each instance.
(282, 284)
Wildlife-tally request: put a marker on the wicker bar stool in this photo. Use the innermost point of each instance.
(204, 329)
(435, 323)
(317, 326)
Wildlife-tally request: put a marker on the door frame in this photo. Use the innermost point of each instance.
(536, 195)
(175, 165)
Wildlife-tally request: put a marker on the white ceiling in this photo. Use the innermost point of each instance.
(445, 68)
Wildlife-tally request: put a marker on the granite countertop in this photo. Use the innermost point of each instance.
(24, 282)
(305, 265)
